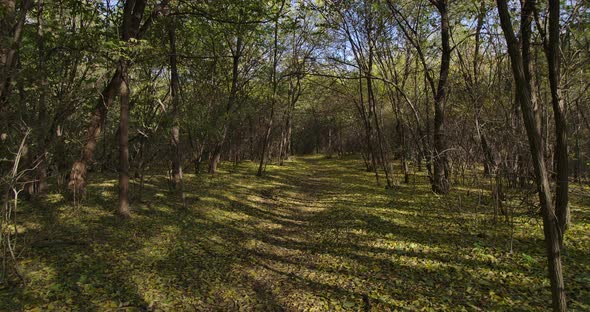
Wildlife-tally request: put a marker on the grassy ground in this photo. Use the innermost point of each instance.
(313, 235)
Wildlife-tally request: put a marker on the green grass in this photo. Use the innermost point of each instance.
(312, 235)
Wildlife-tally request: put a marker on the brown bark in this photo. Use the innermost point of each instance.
(438, 156)
(559, 110)
(176, 156)
(365, 112)
(11, 34)
(77, 183)
(395, 93)
(371, 98)
(273, 99)
(266, 140)
(44, 135)
(236, 58)
(404, 153)
(533, 129)
(441, 173)
(215, 156)
(380, 140)
(131, 28)
(7, 21)
(132, 16)
(476, 95)
(287, 149)
(294, 92)
(124, 210)
(282, 144)
(365, 115)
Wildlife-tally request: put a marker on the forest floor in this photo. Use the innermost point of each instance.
(315, 234)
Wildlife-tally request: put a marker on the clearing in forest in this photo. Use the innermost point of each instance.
(315, 234)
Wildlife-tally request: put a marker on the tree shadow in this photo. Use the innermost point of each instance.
(316, 234)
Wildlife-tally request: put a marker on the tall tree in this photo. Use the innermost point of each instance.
(440, 177)
(274, 82)
(176, 155)
(552, 45)
(12, 22)
(524, 91)
(131, 30)
(236, 56)
(132, 15)
(441, 170)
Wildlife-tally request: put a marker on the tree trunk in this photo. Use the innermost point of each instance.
(77, 183)
(216, 154)
(273, 99)
(330, 143)
(559, 110)
(441, 174)
(371, 99)
(44, 135)
(382, 155)
(176, 155)
(132, 15)
(282, 146)
(11, 34)
(533, 129)
(404, 152)
(476, 95)
(231, 101)
(124, 210)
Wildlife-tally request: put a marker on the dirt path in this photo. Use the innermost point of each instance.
(297, 265)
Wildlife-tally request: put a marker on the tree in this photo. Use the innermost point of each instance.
(440, 177)
(176, 155)
(274, 81)
(519, 59)
(132, 15)
(12, 21)
(552, 45)
(132, 30)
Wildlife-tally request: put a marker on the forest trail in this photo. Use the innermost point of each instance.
(135, 137)
(315, 234)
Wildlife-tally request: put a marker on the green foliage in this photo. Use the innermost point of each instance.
(315, 235)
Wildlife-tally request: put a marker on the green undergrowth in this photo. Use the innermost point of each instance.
(315, 234)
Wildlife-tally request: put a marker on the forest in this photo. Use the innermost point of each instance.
(295, 155)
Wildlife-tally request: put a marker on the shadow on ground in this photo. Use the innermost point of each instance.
(315, 234)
